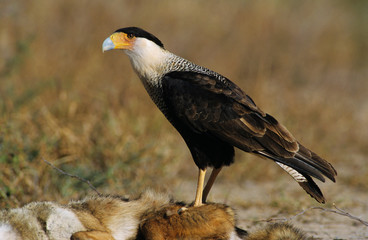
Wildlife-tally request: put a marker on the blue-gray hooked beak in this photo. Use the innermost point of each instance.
(107, 45)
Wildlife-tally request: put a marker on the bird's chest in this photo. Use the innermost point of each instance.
(155, 91)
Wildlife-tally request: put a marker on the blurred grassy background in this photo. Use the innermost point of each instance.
(61, 99)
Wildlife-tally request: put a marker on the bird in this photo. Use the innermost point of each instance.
(213, 115)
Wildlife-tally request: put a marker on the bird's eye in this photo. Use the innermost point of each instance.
(130, 35)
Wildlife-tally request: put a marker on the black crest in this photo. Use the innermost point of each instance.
(138, 32)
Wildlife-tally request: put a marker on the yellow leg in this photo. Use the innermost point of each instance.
(210, 182)
(200, 183)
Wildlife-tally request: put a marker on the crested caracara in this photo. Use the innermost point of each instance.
(213, 115)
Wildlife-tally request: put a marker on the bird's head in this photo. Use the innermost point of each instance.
(145, 51)
(129, 38)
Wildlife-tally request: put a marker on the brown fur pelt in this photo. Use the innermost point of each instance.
(151, 216)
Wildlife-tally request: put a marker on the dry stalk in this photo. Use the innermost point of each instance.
(72, 176)
(336, 210)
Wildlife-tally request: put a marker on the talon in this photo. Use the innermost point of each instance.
(182, 209)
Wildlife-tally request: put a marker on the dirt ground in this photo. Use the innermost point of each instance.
(255, 203)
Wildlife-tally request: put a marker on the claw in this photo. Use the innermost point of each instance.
(181, 210)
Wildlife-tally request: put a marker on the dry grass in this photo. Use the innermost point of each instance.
(86, 112)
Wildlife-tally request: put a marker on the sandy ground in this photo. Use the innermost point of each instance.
(255, 203)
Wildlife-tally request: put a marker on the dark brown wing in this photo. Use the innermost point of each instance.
(216, 106)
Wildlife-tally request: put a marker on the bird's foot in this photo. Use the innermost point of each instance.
(185, 208)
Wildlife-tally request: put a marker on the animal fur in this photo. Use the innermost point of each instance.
(278, 231)
(150, 216)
